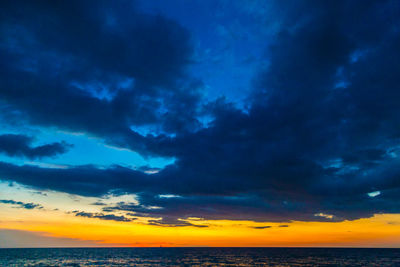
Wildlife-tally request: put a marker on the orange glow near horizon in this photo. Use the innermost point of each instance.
(379, 231)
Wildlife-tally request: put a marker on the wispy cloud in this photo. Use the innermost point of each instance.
(102, 216)
(20, 204)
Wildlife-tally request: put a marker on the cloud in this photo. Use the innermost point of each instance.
(85, 180)
(22, 205)
(98, 203)
(102, 216)
(174, 222)
(261, 227)
(136, 77)
(18, 145)
(319, 132)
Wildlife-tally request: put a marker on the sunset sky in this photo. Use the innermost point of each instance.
(200, 123)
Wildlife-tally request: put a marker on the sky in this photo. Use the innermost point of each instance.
(200, 123)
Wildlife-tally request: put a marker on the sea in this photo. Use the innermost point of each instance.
(199, 257)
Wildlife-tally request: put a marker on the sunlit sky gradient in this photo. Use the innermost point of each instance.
(200, 123)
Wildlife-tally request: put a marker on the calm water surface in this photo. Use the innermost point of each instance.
(199, 257)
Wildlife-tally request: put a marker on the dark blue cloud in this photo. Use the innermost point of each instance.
(167, 221)
(83, 180)
(319, 130)
(61, 76)
(18, 145)
(102, 216)
(20, 204)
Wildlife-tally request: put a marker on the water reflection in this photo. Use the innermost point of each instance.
(199, 257)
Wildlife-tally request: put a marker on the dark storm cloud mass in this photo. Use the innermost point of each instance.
(320, 132)
(17, 145)
(22, 205)
(105, 70)
(82, 180)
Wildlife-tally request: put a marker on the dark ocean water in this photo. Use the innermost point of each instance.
(199, 257)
